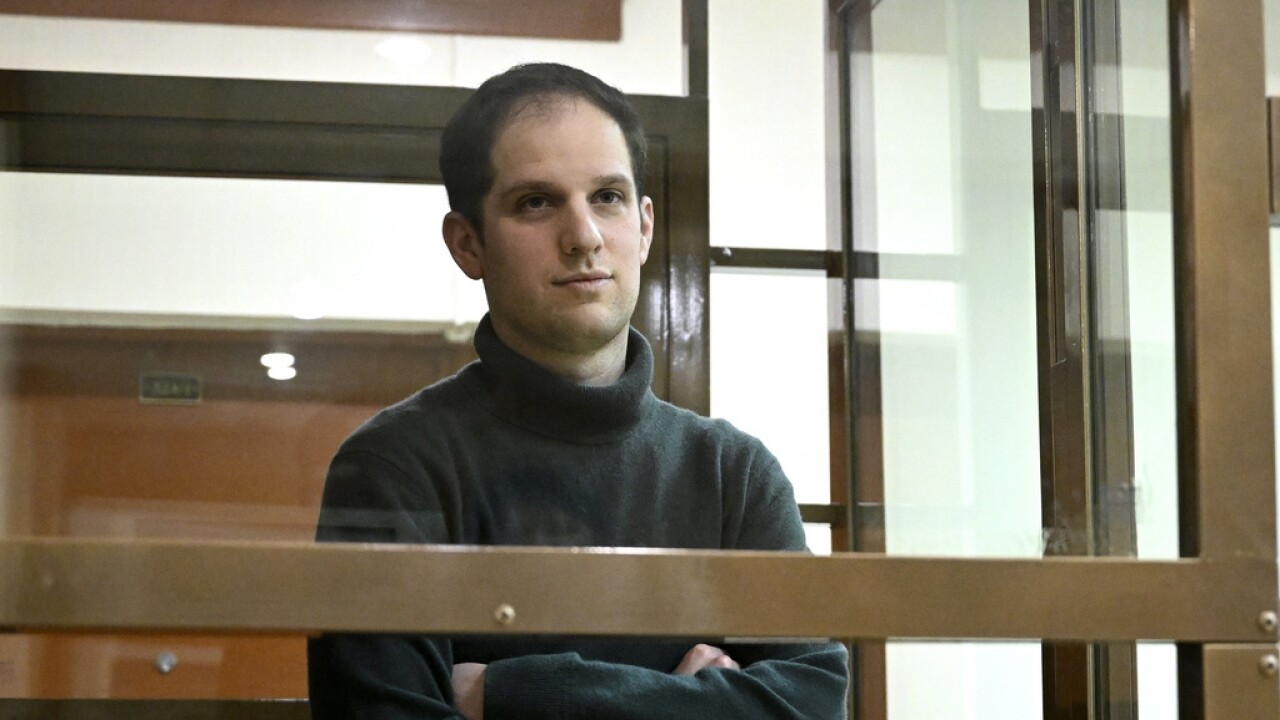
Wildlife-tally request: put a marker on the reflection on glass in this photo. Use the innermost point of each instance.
(951, 311)
(1146, 222)
(121, 420)
(134, 666)
(648, 58)
(232, 248)
(942, 202)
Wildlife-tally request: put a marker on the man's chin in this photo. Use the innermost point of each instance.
(590, 332)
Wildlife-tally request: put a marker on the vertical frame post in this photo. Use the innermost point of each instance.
(863, 432)
(1226, 464)
(1240, 682)
(1223, 291)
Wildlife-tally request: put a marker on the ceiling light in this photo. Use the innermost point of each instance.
(277, 360)
(282, 373)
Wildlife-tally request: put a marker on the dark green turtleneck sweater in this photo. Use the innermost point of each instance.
(507, 453)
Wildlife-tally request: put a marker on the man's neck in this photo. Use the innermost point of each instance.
(600, 367)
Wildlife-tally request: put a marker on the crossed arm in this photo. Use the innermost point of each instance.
(468, 678)
(398, 677)
(387, 677)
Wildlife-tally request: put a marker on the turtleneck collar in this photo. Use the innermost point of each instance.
(524, 393)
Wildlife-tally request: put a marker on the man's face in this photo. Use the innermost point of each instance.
(564, 232)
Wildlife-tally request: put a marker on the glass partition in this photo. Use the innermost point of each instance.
(951, 310)
(942, 166)
(201, 249)
(1136, 304)
(181, 356)
(769, 373)
(647, 58)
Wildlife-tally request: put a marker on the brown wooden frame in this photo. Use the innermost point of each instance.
(566, 19)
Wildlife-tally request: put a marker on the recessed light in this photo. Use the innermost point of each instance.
(277, 360)
(282, 373)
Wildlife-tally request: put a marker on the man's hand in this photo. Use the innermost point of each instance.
(468, 689)
(701, 656)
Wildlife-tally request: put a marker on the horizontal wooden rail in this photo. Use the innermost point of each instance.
(75, 585)
(86, 709)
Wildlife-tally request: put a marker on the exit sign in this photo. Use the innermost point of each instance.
(169, 388)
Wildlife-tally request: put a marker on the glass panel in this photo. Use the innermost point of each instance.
(946, 145)
(1157, 681)
(649, 58)
(769, 372)
(229, 248)
(135, 666)
(933, 681)
(767, 133)
(944, 309)
(163, 373)
(1136, 306)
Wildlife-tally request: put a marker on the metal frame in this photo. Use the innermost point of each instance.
(1225, 422)
(863, 429)
(1085, 399)
(1240, 682)
(1219, 601)
(57, 584)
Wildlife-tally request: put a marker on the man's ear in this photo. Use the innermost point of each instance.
(646, 227)
(463, 241)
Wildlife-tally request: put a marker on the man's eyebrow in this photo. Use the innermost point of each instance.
(524, 186)
(614, 179)
(543, 186)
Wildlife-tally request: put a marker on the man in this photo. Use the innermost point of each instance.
(554, 438)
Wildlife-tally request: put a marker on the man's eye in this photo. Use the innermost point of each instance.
(609, 197)
(536, 202)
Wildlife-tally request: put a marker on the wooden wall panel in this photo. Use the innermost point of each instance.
(86, 458)
(113, 467)
(124, 667)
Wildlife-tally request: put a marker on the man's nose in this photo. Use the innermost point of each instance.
(581, 232)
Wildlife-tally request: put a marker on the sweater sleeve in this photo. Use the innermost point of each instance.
(805, 681)
(379, 677)
(806, 685)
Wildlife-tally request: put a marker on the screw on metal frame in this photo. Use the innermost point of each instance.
(1267, 621)
(1269, 665)
(166, 662)
(505, 614)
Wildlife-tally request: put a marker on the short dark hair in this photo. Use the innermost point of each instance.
(466, 147)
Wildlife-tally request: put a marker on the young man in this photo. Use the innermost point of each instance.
(554, 438)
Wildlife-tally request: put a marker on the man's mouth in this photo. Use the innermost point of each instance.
(584, 279)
